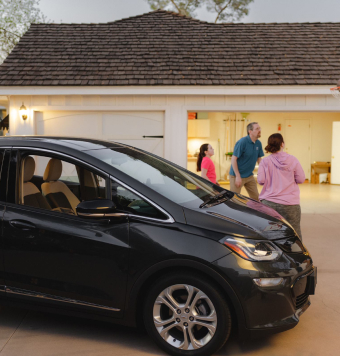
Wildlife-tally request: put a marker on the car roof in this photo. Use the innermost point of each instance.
(76, 143)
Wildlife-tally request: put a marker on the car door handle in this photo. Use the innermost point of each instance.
(21, 225)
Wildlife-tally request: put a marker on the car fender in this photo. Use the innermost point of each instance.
(157, 269)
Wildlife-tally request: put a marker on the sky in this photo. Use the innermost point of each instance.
(96, 11)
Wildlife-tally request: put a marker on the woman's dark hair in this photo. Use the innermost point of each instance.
(203, 148)
(274, 143)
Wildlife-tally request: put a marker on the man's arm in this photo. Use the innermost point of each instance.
(238, 180)
(235, 165)
(261, 154)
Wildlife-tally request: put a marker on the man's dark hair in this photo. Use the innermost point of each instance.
(251, 127)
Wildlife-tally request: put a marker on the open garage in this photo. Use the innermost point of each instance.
(307, 135)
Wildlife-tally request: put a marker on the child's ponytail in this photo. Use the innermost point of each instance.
(203, 149)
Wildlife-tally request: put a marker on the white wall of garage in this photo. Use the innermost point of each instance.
(171, 110)
(143, 129)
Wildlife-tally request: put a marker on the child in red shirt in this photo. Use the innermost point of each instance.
(205, 164)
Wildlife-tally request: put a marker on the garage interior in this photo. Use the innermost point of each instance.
(308, 136)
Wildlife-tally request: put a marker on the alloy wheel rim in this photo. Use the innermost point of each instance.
(185, 317)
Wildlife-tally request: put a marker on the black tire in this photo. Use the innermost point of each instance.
(219, 304)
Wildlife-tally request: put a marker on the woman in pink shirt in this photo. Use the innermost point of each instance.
(280, 174)
(205, 164)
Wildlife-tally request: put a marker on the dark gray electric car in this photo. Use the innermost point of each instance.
(106, 231)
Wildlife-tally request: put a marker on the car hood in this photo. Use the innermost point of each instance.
(241, 217)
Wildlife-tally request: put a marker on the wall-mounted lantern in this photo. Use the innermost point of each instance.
(23, 111)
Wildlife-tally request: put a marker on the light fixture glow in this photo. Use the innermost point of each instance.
(23, 112)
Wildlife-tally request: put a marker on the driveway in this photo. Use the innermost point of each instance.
(318, 333)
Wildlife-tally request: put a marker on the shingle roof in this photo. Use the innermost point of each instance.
(163, 48)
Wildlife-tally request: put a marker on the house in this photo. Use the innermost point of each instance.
(135, 81)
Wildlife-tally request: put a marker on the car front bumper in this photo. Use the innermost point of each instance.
(269, 310)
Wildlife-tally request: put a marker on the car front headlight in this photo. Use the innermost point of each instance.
(252, 250)
(291, 245)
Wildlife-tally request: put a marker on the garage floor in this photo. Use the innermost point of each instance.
(41, 334)
(315, 198)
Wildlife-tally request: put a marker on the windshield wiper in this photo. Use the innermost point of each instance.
(219, 198)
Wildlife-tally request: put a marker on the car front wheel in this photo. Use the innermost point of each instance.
(187, 315)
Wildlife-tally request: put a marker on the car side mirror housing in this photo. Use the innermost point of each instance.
(98, 208)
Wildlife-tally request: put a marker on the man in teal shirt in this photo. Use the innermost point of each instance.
(248, 150)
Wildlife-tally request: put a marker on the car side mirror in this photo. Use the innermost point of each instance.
(99, 208)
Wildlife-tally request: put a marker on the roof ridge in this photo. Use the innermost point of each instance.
(159, 11)
(125, 19)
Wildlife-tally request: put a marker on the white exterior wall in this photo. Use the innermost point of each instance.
(175, 106)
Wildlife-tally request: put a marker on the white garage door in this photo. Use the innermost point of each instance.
(144, 130)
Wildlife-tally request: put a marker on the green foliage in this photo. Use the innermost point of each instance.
(158, 4)
(16, 16)
(226, 10)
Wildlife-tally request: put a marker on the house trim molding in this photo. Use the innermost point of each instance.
(167, 90)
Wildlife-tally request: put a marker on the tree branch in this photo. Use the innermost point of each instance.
(173, 3)
(12, 33)
(218, 15)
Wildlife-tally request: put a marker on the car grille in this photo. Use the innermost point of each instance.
(301, 300)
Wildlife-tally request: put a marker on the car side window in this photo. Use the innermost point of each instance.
(130, 202)
(57, 185)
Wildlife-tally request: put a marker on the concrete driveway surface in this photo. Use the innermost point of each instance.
(31, 333)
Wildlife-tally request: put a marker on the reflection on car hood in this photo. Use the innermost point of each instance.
(242, 217)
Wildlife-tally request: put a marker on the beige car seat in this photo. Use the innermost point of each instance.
(31, 195)
(57, 192)
(88, 184)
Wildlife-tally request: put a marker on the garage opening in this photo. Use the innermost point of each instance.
(308, 136)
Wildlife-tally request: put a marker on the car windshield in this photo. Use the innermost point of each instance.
(169, 180)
